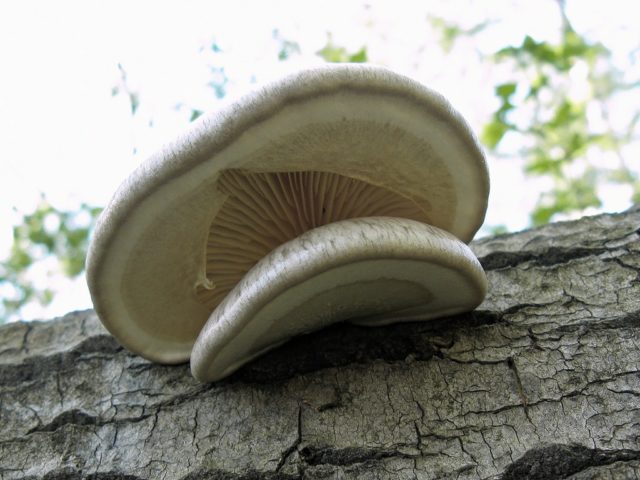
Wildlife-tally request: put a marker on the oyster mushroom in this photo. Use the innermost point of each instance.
(371, 270)
(324, 197)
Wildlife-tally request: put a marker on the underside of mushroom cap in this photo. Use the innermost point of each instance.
(379, 269)
(157, 265)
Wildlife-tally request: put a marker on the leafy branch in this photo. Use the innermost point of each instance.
(558, 136)
(45, 234)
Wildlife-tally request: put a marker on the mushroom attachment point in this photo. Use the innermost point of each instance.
(342, 193)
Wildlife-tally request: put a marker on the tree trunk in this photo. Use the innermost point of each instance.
(542, 381)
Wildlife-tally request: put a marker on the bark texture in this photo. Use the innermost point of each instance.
(542, 381)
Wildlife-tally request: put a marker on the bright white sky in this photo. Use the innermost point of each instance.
(62, 133)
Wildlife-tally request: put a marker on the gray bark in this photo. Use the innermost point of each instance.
(542, 381)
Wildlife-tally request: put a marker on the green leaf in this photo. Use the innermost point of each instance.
(286, 47)
(360, 56)
(219, 81)
(19, 259)
(537, 84)
(450, 32)
(623, 176)
(134, 101)
(541, 164)
(493, 132)
(635, 197)
(335, 54)
(505, 90)
(500, 229)
(47, 297)
(572, 195)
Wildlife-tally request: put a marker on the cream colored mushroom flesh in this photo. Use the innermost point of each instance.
(340, 193)
(371, 270)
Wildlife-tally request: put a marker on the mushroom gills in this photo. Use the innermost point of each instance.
(264, 210)
(372, 270)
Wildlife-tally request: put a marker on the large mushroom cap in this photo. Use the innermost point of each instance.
(324, 145)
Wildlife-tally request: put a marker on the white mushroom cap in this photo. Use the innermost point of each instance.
(373, 270)
(327, 144)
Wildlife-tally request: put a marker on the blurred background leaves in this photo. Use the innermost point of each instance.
(47, 242)
(552, 113)
(558, 133)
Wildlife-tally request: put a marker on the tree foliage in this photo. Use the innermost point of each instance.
(44, 234)
(537, 108)
(333, 53)
(558, 134)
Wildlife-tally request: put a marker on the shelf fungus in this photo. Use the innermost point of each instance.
(342, 193)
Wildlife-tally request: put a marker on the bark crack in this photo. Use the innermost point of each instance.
(519, 387)
(294, 446)
(561, 461)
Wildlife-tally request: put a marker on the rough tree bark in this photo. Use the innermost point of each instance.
(542, 381)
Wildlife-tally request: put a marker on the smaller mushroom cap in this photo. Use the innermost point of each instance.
(379, 269)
